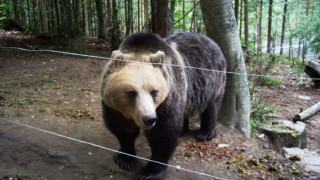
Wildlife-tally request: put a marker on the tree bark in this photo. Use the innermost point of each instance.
(101, 20)
(115, 38)
(259, 26)
(283, 25)
(146, 16)
(160, 17)
(246, 25)
(58, 15)
(171, 16)
(269, 26)
(236, 9)
(221, 26)
(306, 114)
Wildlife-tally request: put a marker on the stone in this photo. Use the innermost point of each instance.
(310, 161)
(284, 133)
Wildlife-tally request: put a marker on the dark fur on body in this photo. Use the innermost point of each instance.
(204, 95)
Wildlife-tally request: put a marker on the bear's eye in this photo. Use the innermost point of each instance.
(154, 93)
(132, 94)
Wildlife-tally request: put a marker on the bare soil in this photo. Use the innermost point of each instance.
(60, 93)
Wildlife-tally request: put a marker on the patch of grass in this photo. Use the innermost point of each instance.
(42, 109)
(46, 86)
(13, 83)
(269, 81)
(46, 79)
(260, 112)
(298, 69)
(2, 114)
(18, 112)
(20, 102)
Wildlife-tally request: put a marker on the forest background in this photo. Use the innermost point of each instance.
(274, 26)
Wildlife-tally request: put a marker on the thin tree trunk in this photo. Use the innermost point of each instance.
(235, 111)
(160, 18)
(115, 38)
(83, 23)
(283, 25)
(259, 23)
(101, 20)
(269, 26)
(29, 15)
(89, 18)
(76, 15)
(236, 9)
(58, 15)
(241, 12)
(146, 16)
(138, 15)
(183, 13)
(246, 25)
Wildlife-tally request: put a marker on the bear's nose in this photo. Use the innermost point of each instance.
(149, 120)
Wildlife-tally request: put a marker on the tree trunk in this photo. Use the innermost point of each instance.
(306, 114)
(115, 38)
(236, 9)
(240, 24)
(146, 16)
(283, 26)
(246, 25)
(269, 26)
(83, 19)
(184, 17)
(138, 16)
(160, 18)
(171, 16)
(259, 26)
(221, 26)
(58, 15)
(29, 15)
(101, 20)
(76, 16)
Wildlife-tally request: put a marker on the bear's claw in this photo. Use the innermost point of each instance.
(124, 162)
(206, 135)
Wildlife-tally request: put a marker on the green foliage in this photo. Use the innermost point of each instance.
(42, 109)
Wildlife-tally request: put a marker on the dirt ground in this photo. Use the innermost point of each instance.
(60, 93)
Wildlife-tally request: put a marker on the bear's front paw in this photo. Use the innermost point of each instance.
(125, 162)
(206, 135)
(145, 174)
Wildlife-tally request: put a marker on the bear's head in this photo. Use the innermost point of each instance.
(136, 89)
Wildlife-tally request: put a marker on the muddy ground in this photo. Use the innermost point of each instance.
(60, 93)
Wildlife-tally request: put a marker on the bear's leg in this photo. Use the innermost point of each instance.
(127, 146)
(208, 121)
(126, 132)
(163, 141)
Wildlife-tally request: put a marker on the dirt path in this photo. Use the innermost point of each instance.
(61, 94)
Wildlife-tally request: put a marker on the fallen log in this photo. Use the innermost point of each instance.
(313, 70)
(306, 114)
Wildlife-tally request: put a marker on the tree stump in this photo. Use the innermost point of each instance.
(313, 70)
(284, 133)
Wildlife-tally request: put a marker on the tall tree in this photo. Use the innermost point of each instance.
(221, 26)
(101, 20)
(236, 9)
(283, 25)
(171, 16)
(259, 24)
(115, 37)
(146, 16)
(269, 26)
(246, 25)
(160, 17)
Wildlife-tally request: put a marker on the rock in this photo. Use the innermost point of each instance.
(283, 133)
(310, 161)
(266, 146)
(223, 145)
(304, 97)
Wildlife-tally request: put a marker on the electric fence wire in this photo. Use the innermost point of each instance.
(109, 149)
(166, 64)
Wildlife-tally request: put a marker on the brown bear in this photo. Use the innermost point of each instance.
(152, 87)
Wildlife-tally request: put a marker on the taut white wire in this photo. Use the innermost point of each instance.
(109, 149)
(166, 64)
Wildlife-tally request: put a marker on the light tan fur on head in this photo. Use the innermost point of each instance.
(146, 80)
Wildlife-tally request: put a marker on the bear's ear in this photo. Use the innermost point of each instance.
(157, 58)
(118, 57)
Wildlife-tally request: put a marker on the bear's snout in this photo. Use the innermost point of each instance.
(149, 120)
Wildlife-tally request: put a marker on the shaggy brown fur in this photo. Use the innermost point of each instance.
(161, 98)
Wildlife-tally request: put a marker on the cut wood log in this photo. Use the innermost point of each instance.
(313, 70)
(306, 114)
(284, 133)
